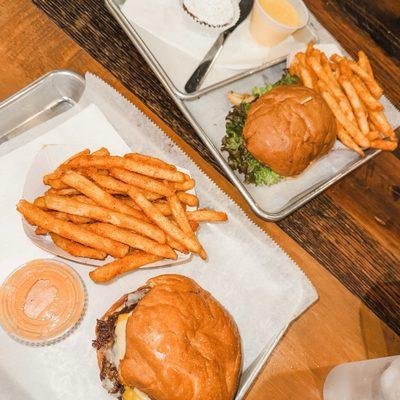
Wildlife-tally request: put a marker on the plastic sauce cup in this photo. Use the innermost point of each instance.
(42, 302)
(268, 32)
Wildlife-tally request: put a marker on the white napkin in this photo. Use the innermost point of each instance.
(166, 20)
(246, 271)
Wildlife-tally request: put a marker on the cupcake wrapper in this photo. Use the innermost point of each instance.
(206, 29)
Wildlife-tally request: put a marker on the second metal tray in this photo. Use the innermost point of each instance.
(165, 66)
(205, 114)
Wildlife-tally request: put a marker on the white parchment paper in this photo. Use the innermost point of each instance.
(246, 271)
(167, 21)
(210, 112)
(179, 45)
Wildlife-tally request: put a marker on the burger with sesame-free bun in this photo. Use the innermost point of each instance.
(168, 340)
(277, 131)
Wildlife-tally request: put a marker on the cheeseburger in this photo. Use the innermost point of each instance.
(168, 340)
(279, 132)
(288, 128)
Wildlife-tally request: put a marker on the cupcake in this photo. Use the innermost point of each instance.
(213, 14)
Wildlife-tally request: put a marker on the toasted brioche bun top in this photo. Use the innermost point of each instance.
(289, 127)
(181, 344)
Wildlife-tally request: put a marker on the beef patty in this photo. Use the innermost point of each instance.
(104, 342)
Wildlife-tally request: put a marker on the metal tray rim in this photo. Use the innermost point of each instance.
(180, 102)
(249, 379)
(9, 100)
(286, 211)
(146, 53)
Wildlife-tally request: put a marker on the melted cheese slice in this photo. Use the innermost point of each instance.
(119, 352)
(134, 394)
(120, 337)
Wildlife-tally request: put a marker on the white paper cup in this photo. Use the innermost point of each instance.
(268, 32)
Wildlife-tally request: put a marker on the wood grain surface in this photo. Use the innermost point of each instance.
(339, 327)
(347, 237)
(379, 18)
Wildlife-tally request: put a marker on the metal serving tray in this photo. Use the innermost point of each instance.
(191, 107)
(49, 96)
(115, 7)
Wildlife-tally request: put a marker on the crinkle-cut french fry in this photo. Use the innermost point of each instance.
(346, 139)
(150, 160)
(96, 193)
(380, 121)
(103, 214)
(355, 102)
(163, 222)
(205, 215)
(363, 62)
(188, 199)
(129, 263)
(69, 230)
(108, 162)
(384, 144)
(77, 249)
(370, 102)
(101, 152)
(350, 127)
(141, 181)
(133, 240)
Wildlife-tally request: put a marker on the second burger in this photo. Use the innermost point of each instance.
(168, 340)
(278, 131)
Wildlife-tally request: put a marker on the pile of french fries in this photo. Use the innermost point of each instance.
(351, 92)
(132, 208)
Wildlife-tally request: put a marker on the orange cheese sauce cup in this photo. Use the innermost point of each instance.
(272, 21)
(42, 301)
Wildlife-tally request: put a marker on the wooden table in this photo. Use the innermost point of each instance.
(356, 221)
